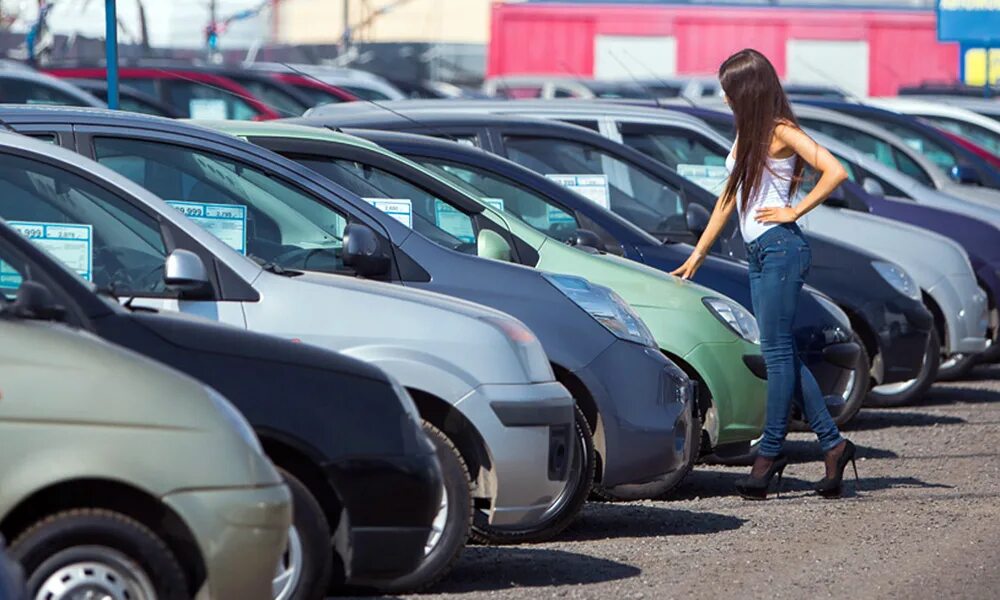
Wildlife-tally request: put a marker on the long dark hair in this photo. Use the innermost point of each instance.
(759, 104)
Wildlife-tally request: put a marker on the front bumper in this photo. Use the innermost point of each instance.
(965, 312)
(738, 395)
(241, 533)
(641, 397)
(519, 424)
(389, 503)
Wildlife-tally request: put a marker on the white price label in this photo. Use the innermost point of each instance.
(592, 187)
(70, 243)
(400, 209)
(228, 222)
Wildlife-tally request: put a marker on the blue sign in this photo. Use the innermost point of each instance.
(969, 21)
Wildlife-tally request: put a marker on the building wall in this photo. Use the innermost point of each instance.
(901, 46)
(321, 21)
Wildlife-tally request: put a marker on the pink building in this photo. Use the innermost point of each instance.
(865, 51)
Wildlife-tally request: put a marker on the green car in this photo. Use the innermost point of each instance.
(714, 341)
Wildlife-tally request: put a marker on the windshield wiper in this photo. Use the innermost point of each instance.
(274, 268)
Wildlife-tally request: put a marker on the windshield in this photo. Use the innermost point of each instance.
(977, 133)
(922, 143)
(694, 157)
(254, 212)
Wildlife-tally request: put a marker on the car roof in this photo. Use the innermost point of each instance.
(357, 118)
(285, 130)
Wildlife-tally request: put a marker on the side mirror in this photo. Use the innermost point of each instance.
(838, 197)
(697, 217)
(586, 239)
(363, 251)
(873, 187)
(965, 175)
(35, 301)
(185, 272)
(490, 244)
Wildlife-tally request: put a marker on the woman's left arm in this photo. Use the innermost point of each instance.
(832, 173)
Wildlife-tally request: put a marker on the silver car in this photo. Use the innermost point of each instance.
(476, 374)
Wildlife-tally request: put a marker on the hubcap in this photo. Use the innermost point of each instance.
(289, 569)
(109, 576)
(440, 519)
(891, 389)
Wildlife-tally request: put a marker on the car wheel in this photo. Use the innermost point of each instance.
(852, 391)
(102, 553)
(904, 392)
(564, 509)
(305, 567)
(669, 482)
(450, 530)
(956, 366)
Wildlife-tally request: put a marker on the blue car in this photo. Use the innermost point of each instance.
(823, 331)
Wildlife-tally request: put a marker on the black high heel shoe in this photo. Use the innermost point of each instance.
(755, 488)
(830, 487)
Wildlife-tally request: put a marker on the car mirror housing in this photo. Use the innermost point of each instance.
(965, 175)
(873, 187)
(363, 251)
(697, 217)
(185, 273)
(490, 244)
(586, 239)
(35, 301)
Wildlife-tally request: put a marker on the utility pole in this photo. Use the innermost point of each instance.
(345, 41)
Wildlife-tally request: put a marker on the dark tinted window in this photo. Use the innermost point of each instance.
(922, 143)
(318, 96)
(978, 134)
(283, 103)
(17, 91)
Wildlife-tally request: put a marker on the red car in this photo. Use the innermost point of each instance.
(191, 93)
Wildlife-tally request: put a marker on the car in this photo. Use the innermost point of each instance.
(11, 576)
(290, 94)
(129, 98)
(344, 436)
(32, 87)
(155, 520)
(963, 165)
(448, 250)
(950, 90)
(316, 90)
(516, 87)
(823, 330)
(188, 91)
(980, 105)
(904, 356)
(477, 375)
(361, 84)
(979, 129)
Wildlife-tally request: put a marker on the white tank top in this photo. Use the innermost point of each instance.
(775, 183)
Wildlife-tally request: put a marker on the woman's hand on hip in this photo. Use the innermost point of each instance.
(690, 266)
(784, 214)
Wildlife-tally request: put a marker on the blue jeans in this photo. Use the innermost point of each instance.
(779, 260)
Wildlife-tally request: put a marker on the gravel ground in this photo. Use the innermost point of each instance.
(924, 523)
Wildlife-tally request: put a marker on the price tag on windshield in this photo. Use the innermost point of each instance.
(400, 209)
(207, 108)
(711, 177)
(228, 222)
(591, 187)
(70, 243)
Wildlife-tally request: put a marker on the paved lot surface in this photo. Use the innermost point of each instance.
(925, 523)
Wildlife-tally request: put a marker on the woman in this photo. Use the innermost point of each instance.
(765, 170)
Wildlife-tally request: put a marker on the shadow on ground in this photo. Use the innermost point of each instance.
(881, 418)
(485, 568)
(943, 394)
(602, 520)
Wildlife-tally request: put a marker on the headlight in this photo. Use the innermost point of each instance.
(898, 278)
(409, 406)
(838, 313)
(236, 419)
(529, 350)
(735, 317)
(606, 306)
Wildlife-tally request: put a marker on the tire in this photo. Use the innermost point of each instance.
(956, 368)
(309, 558)
(659, 488)
(900, 394)
(861, 373)
(458, 490)
(121, 553)
(567, 507)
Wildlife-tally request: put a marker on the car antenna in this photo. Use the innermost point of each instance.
(376, 105)
(656, 78)
(181, 76)
(635, 79)
(847, 94)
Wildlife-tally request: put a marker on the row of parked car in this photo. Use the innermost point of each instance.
(329, 351)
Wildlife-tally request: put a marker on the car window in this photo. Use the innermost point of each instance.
(18, 91)
(430, 215)
(317, 96)
(100, 236)
(647, 202)
(364, 93)
(249, 209)
(922, 143)
(693, 156)
(873, 146)
(279, 100)
(984, 137)
(532, 208)
(132, 104)
(146, 85)
(199, 101)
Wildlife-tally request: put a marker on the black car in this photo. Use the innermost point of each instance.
(895, 329)
(365, 480)
(822, 330)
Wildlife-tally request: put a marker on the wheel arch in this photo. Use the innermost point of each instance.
(584, 400)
